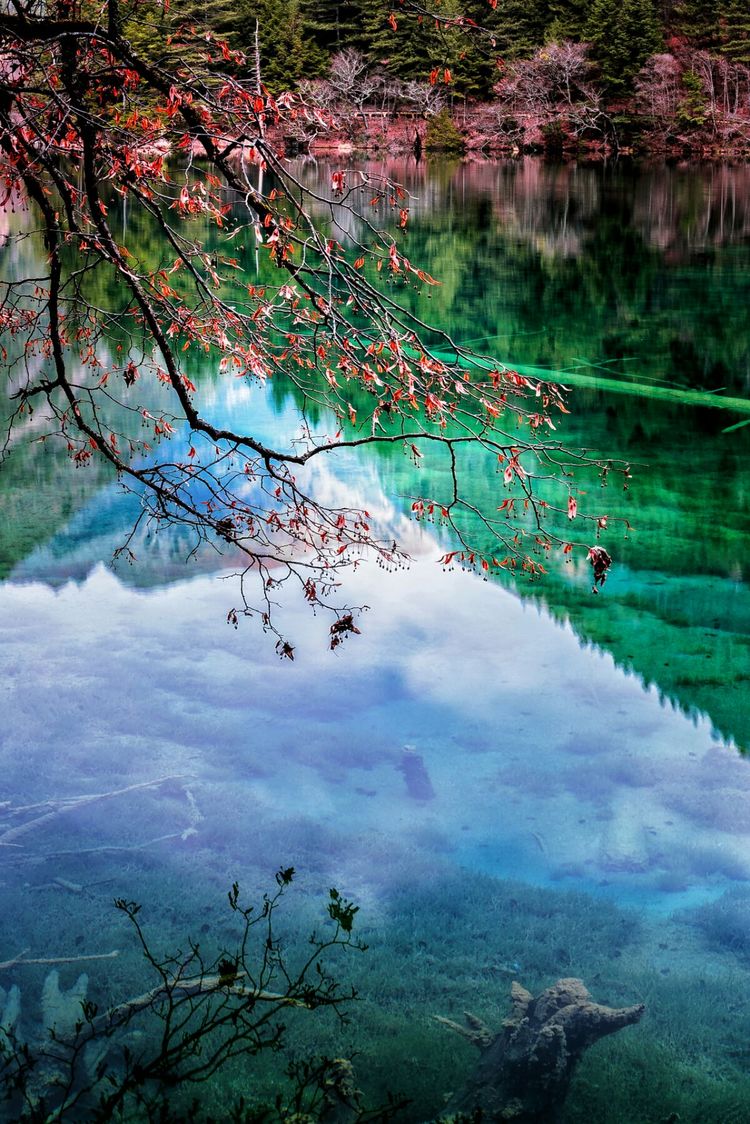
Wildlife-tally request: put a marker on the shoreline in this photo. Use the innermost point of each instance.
(478, 139)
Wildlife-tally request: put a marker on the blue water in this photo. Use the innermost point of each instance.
(501, 801)
(463, 735)
(461, 721)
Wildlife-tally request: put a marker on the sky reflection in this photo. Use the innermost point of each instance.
(461, 724)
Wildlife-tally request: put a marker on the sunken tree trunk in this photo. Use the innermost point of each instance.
(524, 1070)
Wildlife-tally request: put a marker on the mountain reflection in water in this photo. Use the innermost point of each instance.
(461, 719)
(493, 773)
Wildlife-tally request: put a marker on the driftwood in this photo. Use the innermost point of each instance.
(22, 958)
(342, 1100)
(51, 809)
(173, 990)
(524, 1070)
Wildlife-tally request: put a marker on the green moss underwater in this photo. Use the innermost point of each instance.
(443, 941)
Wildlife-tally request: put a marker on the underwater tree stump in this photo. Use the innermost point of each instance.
(524, 1070)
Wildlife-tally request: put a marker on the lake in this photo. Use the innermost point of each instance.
(513, 780)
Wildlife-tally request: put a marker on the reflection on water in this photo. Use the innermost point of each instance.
(639, 274)
(461, 710)
(463, 731)
(639, 277)
(512, 787)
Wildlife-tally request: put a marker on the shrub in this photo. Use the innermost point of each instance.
(442, 135)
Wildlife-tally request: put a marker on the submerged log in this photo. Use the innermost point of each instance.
(524, 1070)
(51, 809)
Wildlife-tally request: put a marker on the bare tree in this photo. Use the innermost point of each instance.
(554, 87)
(427, 98)
(352, 79)
(658, 92)
(725, 86)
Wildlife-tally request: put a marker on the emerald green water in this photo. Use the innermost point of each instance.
(521, 781)
(612, 271)
(638, 281)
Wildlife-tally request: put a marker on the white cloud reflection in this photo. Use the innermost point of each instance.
(528, 756)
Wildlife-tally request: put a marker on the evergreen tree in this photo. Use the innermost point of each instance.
(566, 20)
(218, 17)
(716, 25)
(518, 26)
(335, 24)
(416, 47)
(288, 51)
(152, 25)
(698, 20)
(692, 111)
(734, 29)
(622, 34)
(442, 135)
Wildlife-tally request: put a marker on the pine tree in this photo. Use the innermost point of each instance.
(335, 24)
(442, 134)
(151, 27)
(566, 20)
(698, 20)
(288, 51)
(622, 34)
(692, 111)
(722, 26)
(518, 26)
(422, 48)
(219, 17)
(734, 29)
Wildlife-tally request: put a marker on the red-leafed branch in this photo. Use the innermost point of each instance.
(123, 339)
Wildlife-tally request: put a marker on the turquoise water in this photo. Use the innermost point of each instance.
(511, 782)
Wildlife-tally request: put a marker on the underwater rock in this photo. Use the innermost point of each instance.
(414, 770)
(342, 1100)
(524, 1070)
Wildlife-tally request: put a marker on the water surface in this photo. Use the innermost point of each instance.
(514, 782)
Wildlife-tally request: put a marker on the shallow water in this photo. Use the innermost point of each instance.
(462, 720)
(512, 783)
(464, 731)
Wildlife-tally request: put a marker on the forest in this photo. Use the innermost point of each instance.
(553, 73)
